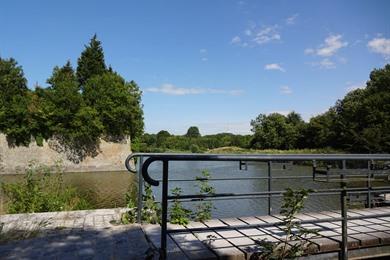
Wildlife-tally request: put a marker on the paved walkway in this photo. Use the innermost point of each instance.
(86, 234)
(90, 234)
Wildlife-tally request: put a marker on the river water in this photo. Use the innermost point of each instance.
(250, 206)
(107, 189)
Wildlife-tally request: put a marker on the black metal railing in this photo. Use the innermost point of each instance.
(321, 171)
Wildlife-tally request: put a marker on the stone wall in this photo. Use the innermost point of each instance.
(111, 157)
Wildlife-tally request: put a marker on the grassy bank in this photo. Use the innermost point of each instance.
(238, 150)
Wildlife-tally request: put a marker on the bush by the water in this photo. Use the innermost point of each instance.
(42, 190)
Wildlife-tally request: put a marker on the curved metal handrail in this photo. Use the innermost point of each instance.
(145, 173)
(127, 162)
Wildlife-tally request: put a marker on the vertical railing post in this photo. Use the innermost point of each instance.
(140, 190)
(369, 185)
(164, 215)
(314, 169)
(343, 201)
(269, 187)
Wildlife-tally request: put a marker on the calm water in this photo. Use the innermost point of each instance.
(107, 189)
(244, 207)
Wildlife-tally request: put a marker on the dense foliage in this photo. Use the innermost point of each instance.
(359, 122)
(14, 102)
(164, 141)
(42, 190)
(76, 109)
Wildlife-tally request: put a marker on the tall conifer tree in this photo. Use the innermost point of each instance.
(91, 61)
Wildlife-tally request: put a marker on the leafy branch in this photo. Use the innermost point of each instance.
(294, 243)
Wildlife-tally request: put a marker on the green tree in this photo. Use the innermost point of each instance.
(64, 98)
(39, 115)
(76, 126)
(91, 62)
(321, 131)
(275, 131)
(193, 132)
(162, 137)
(14, 100)
(364, 115)
(118, 104)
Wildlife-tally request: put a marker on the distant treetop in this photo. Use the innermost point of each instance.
(91, 61)
(193, 131)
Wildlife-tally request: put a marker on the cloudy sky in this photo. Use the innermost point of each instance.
(213, 64)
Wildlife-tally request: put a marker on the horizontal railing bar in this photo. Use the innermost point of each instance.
(266, 178)
(262, 157)
(241, 178)
(247, 197)
(314, 193)
(280, 223)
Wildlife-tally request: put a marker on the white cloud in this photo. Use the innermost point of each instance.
(353, 86)
(267, 34)
(285, 90)
(282, 112)
(203, 55)
(248, 32)
(291, 20)
(343, 60)
(170, 89)
(332, 44)
(207, 128)
(324, 64)
(309, 51)
(381, 46)
(235, 40)
(327, 64)
(274, 66)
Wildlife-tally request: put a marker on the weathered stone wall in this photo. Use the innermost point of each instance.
(111, 157)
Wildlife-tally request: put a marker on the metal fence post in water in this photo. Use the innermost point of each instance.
(140, 190)
(343, 200)
(164, 214)
(269, 187)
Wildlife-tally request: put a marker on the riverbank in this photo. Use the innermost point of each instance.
(100, 189)
(239, 150)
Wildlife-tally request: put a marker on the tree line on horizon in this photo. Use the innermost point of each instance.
(82, 105)
(358, 123)
(77, 108)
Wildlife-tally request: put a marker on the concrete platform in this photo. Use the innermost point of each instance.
(86, 234)
(230, 239)
(90, 234)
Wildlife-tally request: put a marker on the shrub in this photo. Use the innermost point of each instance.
(204, 208)
(151, 211)
(178, 214)
(294, 243)
(42, 190)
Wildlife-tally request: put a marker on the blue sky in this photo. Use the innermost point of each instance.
(213, 64)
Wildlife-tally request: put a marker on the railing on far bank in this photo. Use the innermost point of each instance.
(376, 165)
